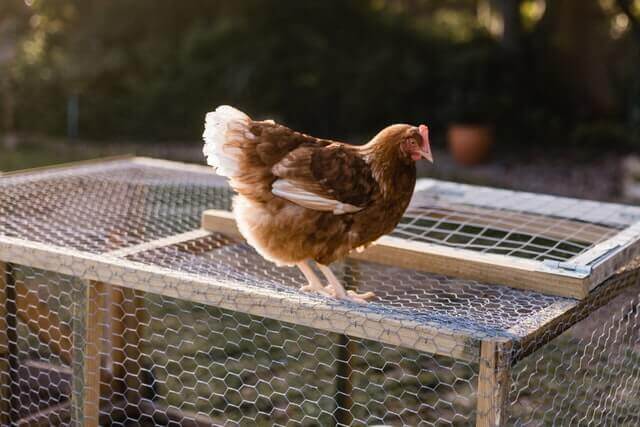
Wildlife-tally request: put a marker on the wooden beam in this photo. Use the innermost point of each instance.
(494, 380)
(95, 322)
(466, 264)
(44, 323)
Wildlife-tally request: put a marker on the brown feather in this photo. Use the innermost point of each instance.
(376, 177)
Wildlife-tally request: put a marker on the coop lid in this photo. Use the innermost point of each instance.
(556, 245)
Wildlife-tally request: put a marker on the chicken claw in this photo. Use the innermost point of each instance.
(337, 290)
(314, 284)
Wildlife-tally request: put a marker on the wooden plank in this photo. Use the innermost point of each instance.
(93, 337)
(466, 264)
(305, 310)
(44, 323)
(494, 381)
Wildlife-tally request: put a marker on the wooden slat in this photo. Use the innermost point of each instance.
(466, 264)
(92, 366)
(44, 323)
(493, 383)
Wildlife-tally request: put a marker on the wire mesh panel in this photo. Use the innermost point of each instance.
(116, 309)
(158, 360)
(589, 375)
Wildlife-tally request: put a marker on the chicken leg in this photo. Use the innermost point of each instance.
(313, 281)
(337, 290)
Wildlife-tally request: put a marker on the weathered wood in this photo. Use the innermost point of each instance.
(493, 383)
(44, 323)
(306, 310)
(93, 342)
(466, 264)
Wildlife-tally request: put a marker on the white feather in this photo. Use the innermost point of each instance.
(290, 191)
(221, 126)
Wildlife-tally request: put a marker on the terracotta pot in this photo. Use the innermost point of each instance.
(470, 144)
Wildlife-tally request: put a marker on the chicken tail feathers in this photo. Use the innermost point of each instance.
(224, 128)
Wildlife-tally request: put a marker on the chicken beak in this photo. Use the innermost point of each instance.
(426, 155)
(425, 152)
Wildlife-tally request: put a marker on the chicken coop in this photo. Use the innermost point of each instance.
(127, 297)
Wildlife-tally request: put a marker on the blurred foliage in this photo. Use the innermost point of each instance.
(150, 69)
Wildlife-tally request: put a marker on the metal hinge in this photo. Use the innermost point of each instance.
(569, 266)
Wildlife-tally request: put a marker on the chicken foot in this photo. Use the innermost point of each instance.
(337, 290)
(314, 284)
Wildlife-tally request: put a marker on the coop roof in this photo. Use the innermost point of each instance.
(136, 222)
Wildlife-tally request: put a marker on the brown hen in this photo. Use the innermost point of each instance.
(303, 199)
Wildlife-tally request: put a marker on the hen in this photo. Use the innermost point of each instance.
(303, 199)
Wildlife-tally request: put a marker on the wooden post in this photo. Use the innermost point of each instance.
(348, 347)
(5, 379)
(10, 318)
(95, 321)
(126, 312)
(79, 295)
(494, 381)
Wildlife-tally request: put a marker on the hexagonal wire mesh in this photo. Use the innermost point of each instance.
(119, 332)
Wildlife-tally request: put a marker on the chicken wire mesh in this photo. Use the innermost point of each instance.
(114, 331)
